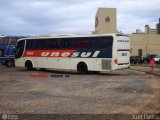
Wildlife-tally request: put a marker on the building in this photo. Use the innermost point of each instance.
(148, 30)
(142, 44)
(158, 27)
(105, 21)
(147, 42)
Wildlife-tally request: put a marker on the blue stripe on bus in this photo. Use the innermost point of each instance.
(104, 53)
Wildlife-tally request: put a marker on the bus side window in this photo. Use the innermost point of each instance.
(12, 41)
(94, 43)
(6, 40)
(50, 44)
(108, 42)
(42, 44)
(54, 44)
(104, 43)
(82, 43)
(2, 41)
(31, 45)
(58, 44)
(67, 43)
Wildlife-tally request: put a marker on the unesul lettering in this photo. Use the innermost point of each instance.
(68, 54)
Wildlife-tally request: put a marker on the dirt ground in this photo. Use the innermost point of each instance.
(54, 92)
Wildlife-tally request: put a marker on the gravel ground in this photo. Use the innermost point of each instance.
(53, 92)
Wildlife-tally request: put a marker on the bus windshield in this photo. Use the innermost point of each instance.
(19, 49)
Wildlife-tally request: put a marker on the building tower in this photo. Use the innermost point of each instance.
(147, 29)
(106, 21)
(158, 27)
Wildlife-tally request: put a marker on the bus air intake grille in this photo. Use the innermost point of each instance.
(106, 64)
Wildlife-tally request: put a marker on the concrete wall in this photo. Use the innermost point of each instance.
(150, 44)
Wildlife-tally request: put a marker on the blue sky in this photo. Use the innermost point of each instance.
(43, 17)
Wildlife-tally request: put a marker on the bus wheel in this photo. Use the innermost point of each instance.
(43, 69)
(95, 72)
(1, 53)
(10, 63)
(29, 65)
(82, 67)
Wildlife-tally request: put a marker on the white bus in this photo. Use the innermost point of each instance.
(97, 53)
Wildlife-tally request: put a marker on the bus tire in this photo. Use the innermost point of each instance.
(95, 72)
(82, 67)
(10, 63)
(29, 65)
(43, 69)
(1, 53)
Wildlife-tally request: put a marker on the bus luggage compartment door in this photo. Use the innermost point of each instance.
(106, 64)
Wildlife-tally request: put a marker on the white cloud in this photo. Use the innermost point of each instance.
(35, 17)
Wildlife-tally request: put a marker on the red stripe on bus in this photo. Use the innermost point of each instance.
(48, 53)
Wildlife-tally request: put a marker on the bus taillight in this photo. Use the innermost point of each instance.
(116, 60)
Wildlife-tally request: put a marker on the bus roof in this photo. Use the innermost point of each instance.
(70, 36)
